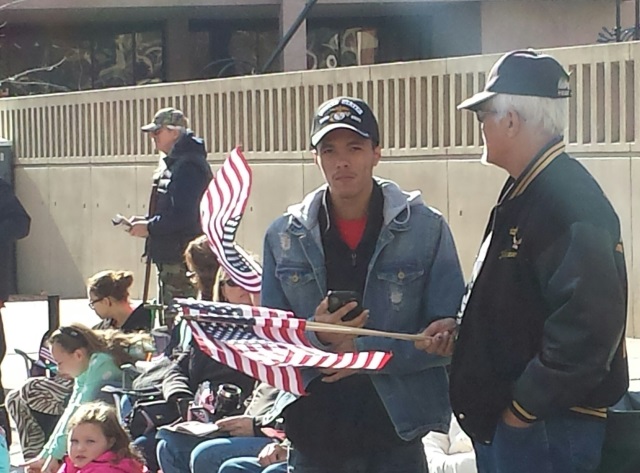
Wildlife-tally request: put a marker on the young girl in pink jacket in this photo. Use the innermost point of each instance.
(97, 443)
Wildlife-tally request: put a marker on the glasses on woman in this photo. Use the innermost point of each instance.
(92, 303)
(229, 282)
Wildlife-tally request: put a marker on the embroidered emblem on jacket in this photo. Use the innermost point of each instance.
(515, 244)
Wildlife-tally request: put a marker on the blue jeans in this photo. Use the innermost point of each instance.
(250, 465)
(404, 459)
(179, 453)
(564, 444)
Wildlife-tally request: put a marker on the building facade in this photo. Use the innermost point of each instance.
(134, 42)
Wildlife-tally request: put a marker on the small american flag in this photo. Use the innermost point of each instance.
(221, 209)
(266, 344)
(45, 355)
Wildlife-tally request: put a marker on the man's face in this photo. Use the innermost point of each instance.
(493, 135)
(164, 138)
(346, 160)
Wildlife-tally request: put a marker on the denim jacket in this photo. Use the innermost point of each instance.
(413, 278)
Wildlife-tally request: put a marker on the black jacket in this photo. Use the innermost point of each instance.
(543, 328)
(176, 220)
(14, 225)
(181, 377)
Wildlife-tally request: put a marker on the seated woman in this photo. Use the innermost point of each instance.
(36, 406)
(180, 378)
(202, 265)
(108, 293)
(92, 359)
(181, 453)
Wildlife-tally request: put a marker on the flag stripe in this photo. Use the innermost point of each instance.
(221, 210)
(266, 344)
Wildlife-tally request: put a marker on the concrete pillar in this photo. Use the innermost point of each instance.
(176, 54)
(294, 56)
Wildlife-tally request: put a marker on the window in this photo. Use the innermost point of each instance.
(226, 49)
(90, 60)
(363, 41)
(329, 47)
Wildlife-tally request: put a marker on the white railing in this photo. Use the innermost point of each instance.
(270, 115)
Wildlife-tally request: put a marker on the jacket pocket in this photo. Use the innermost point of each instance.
(403, 286)
(300, 289)
(294, 276)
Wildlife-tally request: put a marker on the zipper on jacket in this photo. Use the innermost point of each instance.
(353, 258)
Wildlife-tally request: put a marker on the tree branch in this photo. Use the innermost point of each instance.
(31, 71)
(40, 83)
(9, 4)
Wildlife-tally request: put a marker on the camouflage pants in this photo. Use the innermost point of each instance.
(173, 282)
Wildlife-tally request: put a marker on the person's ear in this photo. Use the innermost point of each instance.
(79, 354)
(513, 123)
(377, 153)
(314, 152)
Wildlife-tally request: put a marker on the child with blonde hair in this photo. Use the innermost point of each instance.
(92, 358)
(98, 443)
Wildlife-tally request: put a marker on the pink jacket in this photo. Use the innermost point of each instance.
(105, 463)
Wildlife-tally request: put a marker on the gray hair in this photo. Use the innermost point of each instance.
(542, 113)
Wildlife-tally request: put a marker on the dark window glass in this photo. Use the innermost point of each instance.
(92, 59)
(148, 66)
(113, 61)
(228, 49)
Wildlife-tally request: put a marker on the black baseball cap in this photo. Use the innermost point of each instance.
(525, 72)
(344, 113)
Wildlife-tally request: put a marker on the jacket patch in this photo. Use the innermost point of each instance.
(285, 242)
(515, 244)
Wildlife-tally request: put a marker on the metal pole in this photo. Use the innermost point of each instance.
(289, 34)
(618, 26)
(54, 312)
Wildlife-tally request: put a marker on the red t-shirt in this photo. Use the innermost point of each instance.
(351, 231)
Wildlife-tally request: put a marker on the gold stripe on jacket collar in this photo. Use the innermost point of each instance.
(538, 166)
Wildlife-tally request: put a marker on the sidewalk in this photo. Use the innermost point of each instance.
(26, 322)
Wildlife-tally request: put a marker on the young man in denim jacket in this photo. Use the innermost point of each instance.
(363, 234)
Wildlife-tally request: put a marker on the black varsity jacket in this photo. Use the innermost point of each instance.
(542, 332)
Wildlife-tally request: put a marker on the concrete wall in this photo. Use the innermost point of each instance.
(81, 157)
(71, 207)
(513, 24)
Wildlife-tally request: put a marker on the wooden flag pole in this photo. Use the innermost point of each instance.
(339, 329)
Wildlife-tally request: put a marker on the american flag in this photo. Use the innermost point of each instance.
(221, 209)
(45, 355)
(266, 344)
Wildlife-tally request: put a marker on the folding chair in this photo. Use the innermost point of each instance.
(44, 365)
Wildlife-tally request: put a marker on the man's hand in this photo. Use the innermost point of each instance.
(511, 420)
(439, 337)
(237, 426)
(323, 315)
(332, 375)
(139, 229)
(272, 453)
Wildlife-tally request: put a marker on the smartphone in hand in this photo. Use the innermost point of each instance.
(338, 299)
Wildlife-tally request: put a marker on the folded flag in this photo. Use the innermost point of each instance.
(266, 344)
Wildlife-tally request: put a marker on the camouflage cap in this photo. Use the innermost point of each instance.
(167, 117)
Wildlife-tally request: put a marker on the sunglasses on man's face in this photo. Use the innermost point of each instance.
(229, 282)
